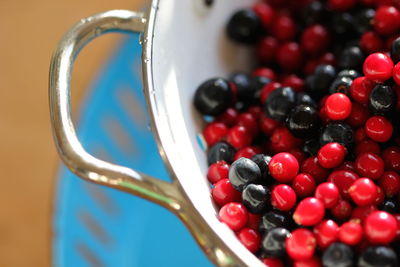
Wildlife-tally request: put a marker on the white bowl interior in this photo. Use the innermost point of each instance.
(190, 46)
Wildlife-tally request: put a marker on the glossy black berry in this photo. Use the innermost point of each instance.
(303, 121)
(220, 151)
(257, 83)
(213, 97)
(311, 147)
(313, 13)
(273, 244)
(390, 206)
(363, 20)
(341, 133)
(351, 58)
(244, 27)
(342, 23)
(305, 99)
(322, 78)
(242, 172)
(341, 85)
(338, 255)
(395, 51)
(279, 103)
(274, 219)
(353, 74)
(262, 162)
(378, 256)
(382, 99)
(256, 198)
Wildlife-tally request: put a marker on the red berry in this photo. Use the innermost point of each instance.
(328, 59)
(303, 184)
(396, 73)
(343, 180)
(379, 129)
(326, 233)
(397, 217)
(360, 135)
(328, 193)
(371, 42)
(380, 197)
(294, 82)
(301, 244)
(370, 165)
(342, 210)
(266, 90)
(283, 140)
(283, 28)
(315, 39)
(378, 67)
(331, 155)
(283, 167)
(391, 157)
(214, 132)
(289, 56)
(380, 227)
(338, 106)
(265, 12)
(266, 49)
(390, 183)
(218, 171)
(361, 212)
(313, 262)
(246, 152)
(224, 193)
(310, 211)
(256, 111)
(254, 221)
(250, 239)
(346, 166)
(312, 167)
(350, 233)
(298, 154)
(264, 72)
(341, 5)
(358, 115)
(360, 89)
(229, 117)
(267, 125)
(367, 146)
(248, 121)
(239, 136)
(283, 197)
(234, 214)
(272, 262)
(386, 20)
(363, 192)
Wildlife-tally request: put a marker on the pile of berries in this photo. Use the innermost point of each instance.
(304, 152)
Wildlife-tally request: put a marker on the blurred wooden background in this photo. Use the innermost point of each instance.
(29, 31)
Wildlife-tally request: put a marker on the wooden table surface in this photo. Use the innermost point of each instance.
(29, 32)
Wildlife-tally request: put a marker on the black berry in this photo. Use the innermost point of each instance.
(279, 103)
(338, 255)
(243, 172)
(244, 27)
(256, 198)
(220, 151)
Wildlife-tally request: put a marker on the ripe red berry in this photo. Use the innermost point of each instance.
(283, 197)
(371, 42)
(298, 154)
(289, 56)
(218, 171)
(266, 49)
(328, 193)
(378, 67)
(265, 12)
(267, 125)
(361, 212)
(267, 89)
(248, 121)
(315, 39)
(342, 210)
(331, 155)
(282, 140)
(390, 183)
(294, 82)
(360, 135)
(391, 157)
(363, 192)
(367, 145)
(350, 233)
(224, 193)
(338, 106)
(214, 132)
(272, 262)
(312, 167)
(370, 165)
(246, 152)
(313, 262)
(396, 73)
(343, 180)
(386, 20)
(265, 72)
(301, 244)
(239, 136)
(380, 227)
(310, 211)
(254, 221)
(379, 129)
(229, 117)
(360, 89)
(303, 184)
(358, 115)
(326, 233)
(250, 238)
(283, 167)
(283, 28)
(380, 197)
(341, 5)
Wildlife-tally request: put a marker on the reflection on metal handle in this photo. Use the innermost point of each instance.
(70, 149)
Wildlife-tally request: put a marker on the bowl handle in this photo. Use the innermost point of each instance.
(70, 149)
